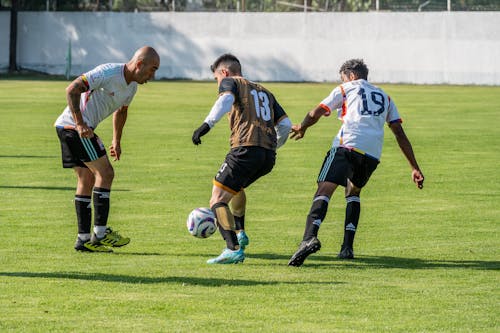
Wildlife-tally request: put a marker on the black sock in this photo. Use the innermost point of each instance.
(352, 210)
(316, 216)
(239, 221)
(101, 206)
(83, 213)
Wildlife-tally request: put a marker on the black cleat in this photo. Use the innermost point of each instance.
(346, 253)
(305, 248)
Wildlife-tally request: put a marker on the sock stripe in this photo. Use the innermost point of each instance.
(322, 197)
(353, 198)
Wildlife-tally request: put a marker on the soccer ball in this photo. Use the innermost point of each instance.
(201, 223)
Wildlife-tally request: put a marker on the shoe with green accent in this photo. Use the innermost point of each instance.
(243, 240)
(88, 246)
(111, 238)
(228, 257)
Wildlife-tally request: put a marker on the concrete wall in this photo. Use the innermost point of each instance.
(4, 40)
(422, 48)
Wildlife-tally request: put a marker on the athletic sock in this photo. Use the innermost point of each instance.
(352, 211)
(83, 209)
(225, 221)
(239, 222)
(84, 237)
(101, 206)
(316, 216)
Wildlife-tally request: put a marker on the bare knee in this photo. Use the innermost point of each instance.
(104, 177)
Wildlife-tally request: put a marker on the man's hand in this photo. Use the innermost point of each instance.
(115, 151)
(418, 178)
(84, 131)
(198, 133)
(297, 132)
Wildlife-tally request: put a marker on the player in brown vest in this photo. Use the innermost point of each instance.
(259, 125)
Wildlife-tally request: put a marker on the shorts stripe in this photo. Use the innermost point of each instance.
(89, 148)
(326, 165)
(224, 187)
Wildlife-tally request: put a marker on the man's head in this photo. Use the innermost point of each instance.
(143, 64)
(353, 69)
(226, 65)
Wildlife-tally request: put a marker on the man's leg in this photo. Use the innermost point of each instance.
(352, 212)
(83, 205)
(238, 206)
(310, 243)
(104, 175)
(225, 221)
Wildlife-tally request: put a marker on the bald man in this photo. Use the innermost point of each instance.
(92, 97)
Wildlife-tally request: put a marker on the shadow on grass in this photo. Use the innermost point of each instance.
(185, 280)
(55, 188)
(26, 156)
(368, 262)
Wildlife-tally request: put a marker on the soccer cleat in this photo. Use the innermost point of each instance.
(228, 257)
(87, 246)
(346, 253)
(305, 249)
(243, 240)
(111, 238)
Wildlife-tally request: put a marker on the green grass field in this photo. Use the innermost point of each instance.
(427, 261)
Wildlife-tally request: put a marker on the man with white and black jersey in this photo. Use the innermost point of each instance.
(92, 97)
(355, 153)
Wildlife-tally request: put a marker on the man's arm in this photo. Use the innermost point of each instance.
(221, 106)
(311, 118)
(73, 96)
(119, 119)
(406, 148)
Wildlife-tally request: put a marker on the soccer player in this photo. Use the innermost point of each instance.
(259, 125)
(93, 96)
(363, 109)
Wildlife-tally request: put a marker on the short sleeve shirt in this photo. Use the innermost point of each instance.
(363, 109)
(107, 92)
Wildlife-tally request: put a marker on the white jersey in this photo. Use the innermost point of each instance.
(107, 92)
(363, 109)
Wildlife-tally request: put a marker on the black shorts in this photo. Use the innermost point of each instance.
(243, 166)
(76, 150)
(341, 164)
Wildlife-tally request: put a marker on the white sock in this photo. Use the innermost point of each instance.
(84, 237)
(100, 230)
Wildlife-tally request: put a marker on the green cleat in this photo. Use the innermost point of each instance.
(88, 246)
(111, 238)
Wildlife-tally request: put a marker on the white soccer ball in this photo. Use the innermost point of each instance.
(201, 223)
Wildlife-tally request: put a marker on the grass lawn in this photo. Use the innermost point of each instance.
(427, 261)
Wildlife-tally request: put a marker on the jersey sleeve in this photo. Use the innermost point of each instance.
(392, 112)
(279, 112)
(228, 85)
(333, 101)
(94, 78)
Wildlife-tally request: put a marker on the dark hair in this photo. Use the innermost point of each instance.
(228, 61)
(355, 66)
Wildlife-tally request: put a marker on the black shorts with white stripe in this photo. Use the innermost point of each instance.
(75, 150)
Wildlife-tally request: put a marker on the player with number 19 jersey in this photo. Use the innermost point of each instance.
(363, 109)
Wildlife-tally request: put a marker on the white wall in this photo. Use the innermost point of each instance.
(422, 48)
